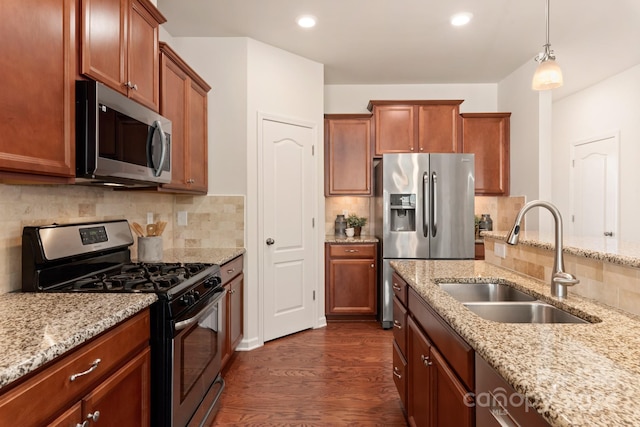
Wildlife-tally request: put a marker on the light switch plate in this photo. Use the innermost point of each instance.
(500, 250)
(345, 212)
(150, 218)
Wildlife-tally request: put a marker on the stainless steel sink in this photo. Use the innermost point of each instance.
(481, 292)
(522, 312)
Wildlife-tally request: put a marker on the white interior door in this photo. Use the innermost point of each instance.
(594, 179)
(288, 195)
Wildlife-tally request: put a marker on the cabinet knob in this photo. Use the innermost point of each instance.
(397, 324)
(372, 265)
(85, 423)
(94, 417)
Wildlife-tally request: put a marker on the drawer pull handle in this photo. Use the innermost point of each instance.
(94, 417)
(231, 270)
(395, 372)
(93, 367)
(396, 287)
(85, 423)
(397, 324)
(425, 360)
(351, 251)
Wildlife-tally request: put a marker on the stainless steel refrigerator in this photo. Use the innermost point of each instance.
(424, 209)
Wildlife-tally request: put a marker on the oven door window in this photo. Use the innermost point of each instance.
(199, 349)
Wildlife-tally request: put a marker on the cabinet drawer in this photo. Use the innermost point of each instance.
(231, 269)
(455, 350)
(399, 287)
(400, 325)
(352, 251)
(39, 398)
(400, 374)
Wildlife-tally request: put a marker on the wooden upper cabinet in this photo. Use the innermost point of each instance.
(37, 104)
(487, 136)
(183, 100)
(348, 159)
(416, 126)
(120, 47)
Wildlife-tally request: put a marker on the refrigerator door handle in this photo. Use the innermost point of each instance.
(434, 204)
(425, 204)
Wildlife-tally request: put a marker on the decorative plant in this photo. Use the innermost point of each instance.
(354, 220)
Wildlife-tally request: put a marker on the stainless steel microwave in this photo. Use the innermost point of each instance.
(118, 141)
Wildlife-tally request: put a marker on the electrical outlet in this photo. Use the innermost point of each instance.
(500, 250)
(345, 212)
(150, 218)
(182, 217)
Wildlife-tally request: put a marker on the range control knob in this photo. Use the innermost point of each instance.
(212, 282)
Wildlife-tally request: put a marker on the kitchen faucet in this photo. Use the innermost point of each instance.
(560, 280)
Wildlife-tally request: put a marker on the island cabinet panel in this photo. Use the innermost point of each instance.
(109, 374)
(120, 47)
(487, 136)
(37, 104)
(351, 281)
(348, 157)
(232, 276)
(183, 100)
(440, 365)
(431, 126)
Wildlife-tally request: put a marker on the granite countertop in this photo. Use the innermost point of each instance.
(35, 328)
(341, 239)
(212, 255)
(600, 248)
(573, 374)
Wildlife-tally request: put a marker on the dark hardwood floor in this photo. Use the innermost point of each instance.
(340, 375)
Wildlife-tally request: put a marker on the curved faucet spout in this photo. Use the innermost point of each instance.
(560, 279)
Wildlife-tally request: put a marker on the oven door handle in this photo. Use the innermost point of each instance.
(183, 324)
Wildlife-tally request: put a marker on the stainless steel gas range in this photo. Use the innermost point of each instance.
(186, 321)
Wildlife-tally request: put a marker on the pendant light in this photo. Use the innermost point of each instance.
(548, 75)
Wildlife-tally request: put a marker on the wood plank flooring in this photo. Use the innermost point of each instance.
(335, 376)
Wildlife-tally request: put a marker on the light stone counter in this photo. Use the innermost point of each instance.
(210, 255)
(35, 328)
(573, 374)
(603, 249)
(359, 239)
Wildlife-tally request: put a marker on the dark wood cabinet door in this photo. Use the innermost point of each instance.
(123, 398)
(174, 89)
(394, 129)
(400, 325)
(452, 404)
(236, 311)
(104, 38)
(73, 417)
(419, 394)
(37, 103)
(486, 135)
(196, 156)
(348, 158)
(400, 374)
(142, 55)
(439, 128)
(183, 100)
(350, 289)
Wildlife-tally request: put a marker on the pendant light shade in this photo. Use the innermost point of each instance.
(548, 75)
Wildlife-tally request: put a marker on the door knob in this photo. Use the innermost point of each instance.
(270, 241)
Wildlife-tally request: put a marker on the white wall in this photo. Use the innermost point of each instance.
(343, 99)
(515, 95)
(282, 84)
(609, 106)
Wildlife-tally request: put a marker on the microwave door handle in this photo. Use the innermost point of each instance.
(157, 127)
(434, 204)
(425, 204)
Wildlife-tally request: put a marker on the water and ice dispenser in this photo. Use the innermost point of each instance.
(402, 212)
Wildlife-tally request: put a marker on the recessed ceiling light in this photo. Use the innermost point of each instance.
(460, 19)
(306, 21)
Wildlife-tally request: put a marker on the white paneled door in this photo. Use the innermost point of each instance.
(594, 182)
(288, 200)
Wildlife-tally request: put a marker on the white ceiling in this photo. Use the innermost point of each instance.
(411, 41)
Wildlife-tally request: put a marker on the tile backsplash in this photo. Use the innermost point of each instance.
(212, 221)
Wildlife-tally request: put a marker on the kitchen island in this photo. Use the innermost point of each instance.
(572, 374)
